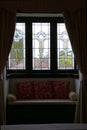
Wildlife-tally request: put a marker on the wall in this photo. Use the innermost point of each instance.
(42, 5)
(6, 85)
(77, 82)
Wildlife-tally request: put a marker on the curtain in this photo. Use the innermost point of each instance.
(7, 27)
(76, 26)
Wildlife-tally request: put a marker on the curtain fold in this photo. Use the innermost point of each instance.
(7, 27)
(76, 26)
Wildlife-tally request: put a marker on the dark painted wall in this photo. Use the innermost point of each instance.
(44, 6)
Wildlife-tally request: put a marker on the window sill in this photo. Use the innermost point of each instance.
(44, 75)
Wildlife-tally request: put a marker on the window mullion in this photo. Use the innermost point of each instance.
(53, 47)
(28, 47)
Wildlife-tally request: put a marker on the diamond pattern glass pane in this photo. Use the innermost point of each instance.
(65, 57)
(17, 54)
(41, 46)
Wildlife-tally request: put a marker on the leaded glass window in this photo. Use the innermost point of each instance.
(65, 56)
(41, 46)
(17, 54)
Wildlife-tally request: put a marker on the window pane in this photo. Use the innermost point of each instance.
(41, 46)
(17, 54)
(65, 57)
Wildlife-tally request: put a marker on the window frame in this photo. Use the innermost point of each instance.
(53, 72)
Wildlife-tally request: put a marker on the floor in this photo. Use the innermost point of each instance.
(45, 127)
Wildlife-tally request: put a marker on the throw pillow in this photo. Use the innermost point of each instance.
(43, 90)
(61, 89)
(25, 90)
(73, 96)
(11, 97)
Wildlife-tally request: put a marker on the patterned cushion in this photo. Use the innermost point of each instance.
(43, 90)
(61, 89)
(25, 90)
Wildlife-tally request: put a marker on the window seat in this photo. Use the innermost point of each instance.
(34, 101)
(43, 101)
(42, 90)
(40, 111)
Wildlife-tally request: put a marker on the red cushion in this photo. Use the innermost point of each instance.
(43, 90)
(25, 90)
(61, 89)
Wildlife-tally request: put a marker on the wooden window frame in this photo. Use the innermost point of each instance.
(28, 72)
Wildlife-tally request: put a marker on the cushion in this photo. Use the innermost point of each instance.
(73, 96)
(43, 90)
(11, 97)
(61, 89)
(25, 90)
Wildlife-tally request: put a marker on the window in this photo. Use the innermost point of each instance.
(17, 54)
(41, 47)
(65, 56)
